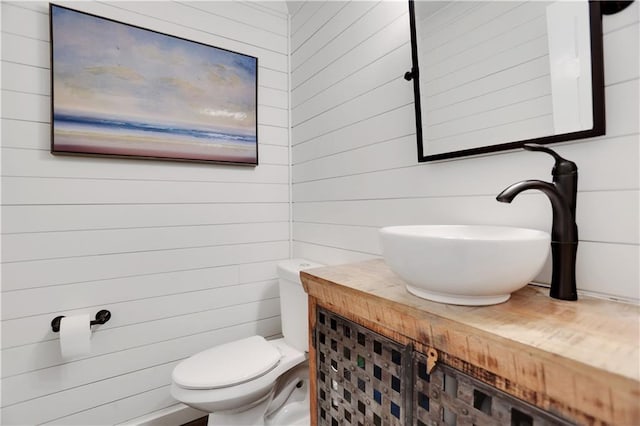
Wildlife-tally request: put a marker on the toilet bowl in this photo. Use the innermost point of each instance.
(254, 381)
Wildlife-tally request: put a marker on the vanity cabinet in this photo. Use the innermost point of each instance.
(363, 378)
(380, 356)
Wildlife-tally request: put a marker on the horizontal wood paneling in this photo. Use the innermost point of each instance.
(272, 79)
(55, 218)
(155, 398)
(25, 78)
(32, 21)
(354, 148)
(388, 125)
(41, 190)
(182, 314)
(329, 255)
(25, 106)
(272, 155)
(389, 154)
(304, 13)
(58, 245)
(360, 34)
(273, 97)
(25, 134)
(352, 56)
(41, 273)
(362, 239)
(273, 135)
(235, 29)
(63, 403)
(23, 321)
(184, 255)
(69, 297)
(275, 23)
(37, 163)
(372, 75)
(276, 8)
(365, 164)
(330, 29)
(616, 42)
(360, 108)
(22, 50)
(325, 12)
(469, 177)
(593, 208)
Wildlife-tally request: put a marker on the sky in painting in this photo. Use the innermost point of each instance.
(108, 69)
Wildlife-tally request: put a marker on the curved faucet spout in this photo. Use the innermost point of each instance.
(564, 228)
(511, 191)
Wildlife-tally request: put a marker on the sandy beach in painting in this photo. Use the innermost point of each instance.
(117, 137)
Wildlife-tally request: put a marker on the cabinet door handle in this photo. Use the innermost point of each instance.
(432, 359)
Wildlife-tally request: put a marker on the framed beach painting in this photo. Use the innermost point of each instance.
(124, 91)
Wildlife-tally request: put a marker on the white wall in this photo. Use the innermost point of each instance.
(182, 254)
(354, 149)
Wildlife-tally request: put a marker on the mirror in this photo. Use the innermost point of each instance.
(493, 75)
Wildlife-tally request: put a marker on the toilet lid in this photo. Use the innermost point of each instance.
(227, 364)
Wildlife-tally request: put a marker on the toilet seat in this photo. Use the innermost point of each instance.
(241, 361)
(245, 394)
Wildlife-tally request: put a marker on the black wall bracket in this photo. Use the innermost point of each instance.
(101, 317)
(410, 75)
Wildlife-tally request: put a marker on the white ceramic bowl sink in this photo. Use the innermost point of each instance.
(464, 264)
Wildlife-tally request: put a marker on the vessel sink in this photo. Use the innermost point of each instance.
(464, 264)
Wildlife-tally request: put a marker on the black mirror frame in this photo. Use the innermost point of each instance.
(597, 98)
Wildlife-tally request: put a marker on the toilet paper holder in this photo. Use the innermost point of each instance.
(101, 317)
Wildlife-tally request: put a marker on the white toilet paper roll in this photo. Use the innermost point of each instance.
(75, 336)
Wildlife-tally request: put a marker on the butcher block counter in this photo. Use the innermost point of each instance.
(579, 360)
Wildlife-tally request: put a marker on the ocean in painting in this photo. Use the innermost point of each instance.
(99, 135)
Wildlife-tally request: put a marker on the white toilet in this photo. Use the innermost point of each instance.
(253, 381)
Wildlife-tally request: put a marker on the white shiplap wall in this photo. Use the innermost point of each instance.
(182, 254)
(354, 150)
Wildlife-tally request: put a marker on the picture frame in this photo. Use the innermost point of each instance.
(119, 90)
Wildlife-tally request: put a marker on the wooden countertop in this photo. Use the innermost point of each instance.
(579, 359)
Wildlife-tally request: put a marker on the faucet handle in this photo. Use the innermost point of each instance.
(562, 166)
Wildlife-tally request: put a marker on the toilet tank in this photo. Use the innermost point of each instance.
(293, 302)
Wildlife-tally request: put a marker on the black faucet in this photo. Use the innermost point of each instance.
(564, 231)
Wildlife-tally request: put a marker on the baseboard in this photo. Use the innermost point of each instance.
(174, 415)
